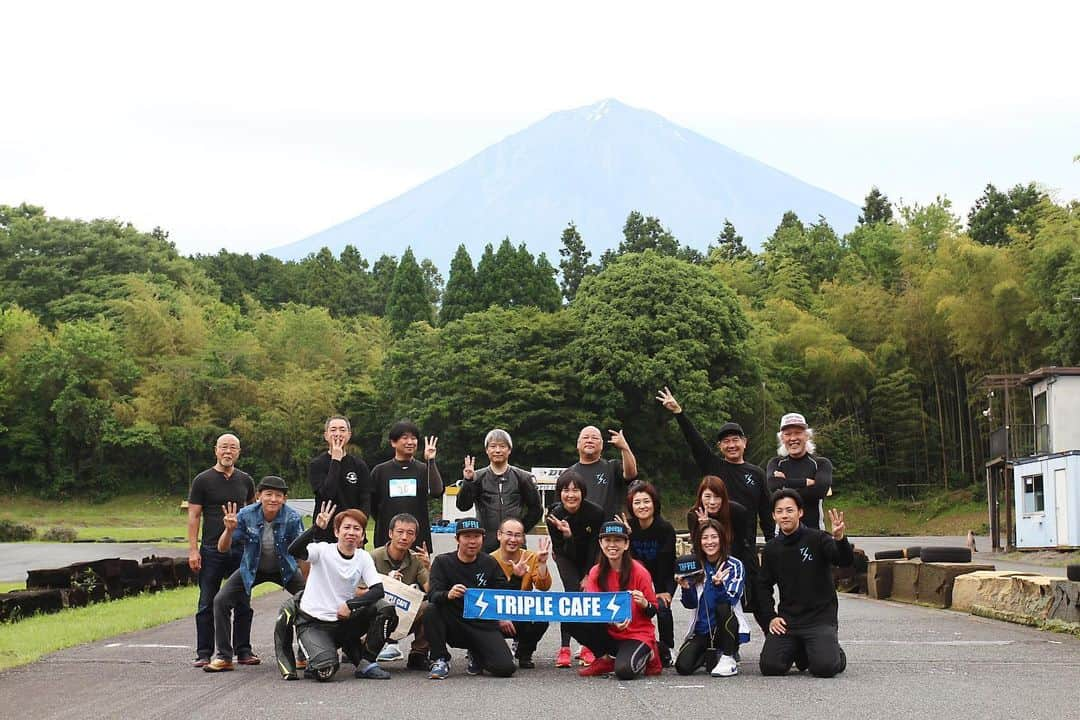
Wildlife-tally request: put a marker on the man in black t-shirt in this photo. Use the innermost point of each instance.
(745, 482)
(606, 480)
(339, 477)
(404, 485)
(211, 490)
(451, 574)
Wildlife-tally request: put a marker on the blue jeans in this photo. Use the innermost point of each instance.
(216, 567)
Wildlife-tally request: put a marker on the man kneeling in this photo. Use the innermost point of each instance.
(330, 613)
(800, 559)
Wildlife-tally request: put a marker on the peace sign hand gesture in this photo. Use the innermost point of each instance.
(430, 443)
(228, 510)
(702, 516)
(561, 525)
(543, 551)
(326, 512)
(337, 448)
(521, 567)
(469, 471)
(836, 520)
(668, 401)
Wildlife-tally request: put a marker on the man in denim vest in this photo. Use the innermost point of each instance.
(266, 528)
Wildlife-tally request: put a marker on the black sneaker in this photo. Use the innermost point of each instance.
(474, 666)
(525, 662)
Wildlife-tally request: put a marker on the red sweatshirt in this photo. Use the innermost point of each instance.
(640, 628)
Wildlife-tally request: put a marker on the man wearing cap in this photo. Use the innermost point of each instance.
(211, 490)
(796, 467)
(451, 574)
(338, 476)
(500, 490)
(745, 482)
(266, 528)
(606, 480)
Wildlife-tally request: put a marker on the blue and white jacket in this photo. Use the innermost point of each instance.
(706, 597)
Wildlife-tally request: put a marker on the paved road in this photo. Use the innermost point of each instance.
(17, 558)
(903, 662)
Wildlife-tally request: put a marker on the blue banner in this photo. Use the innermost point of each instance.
(535, 606)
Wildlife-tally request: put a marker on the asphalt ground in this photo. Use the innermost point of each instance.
(17, 558)
(903, 662)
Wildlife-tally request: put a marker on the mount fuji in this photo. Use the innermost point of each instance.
(593, 166)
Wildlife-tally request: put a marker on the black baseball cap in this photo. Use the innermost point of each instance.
(613, 528)
(469, 525)
(272, 482)
(729, 428)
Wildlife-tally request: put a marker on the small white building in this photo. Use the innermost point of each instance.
(1047, 484)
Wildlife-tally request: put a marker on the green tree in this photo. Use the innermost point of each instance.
(408, 301)
(647, 321)
(729, 244)
(876, 208)
(995, 212)
(574, 263)
(459, 297)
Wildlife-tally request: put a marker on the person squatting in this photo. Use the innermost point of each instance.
(605, 535)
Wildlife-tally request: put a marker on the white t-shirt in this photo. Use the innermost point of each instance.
(333, 579)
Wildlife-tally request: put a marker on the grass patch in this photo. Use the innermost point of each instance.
(952, 513)
(128, 517)
(9, 586)
(28, 640)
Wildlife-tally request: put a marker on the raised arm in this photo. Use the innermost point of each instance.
(629, 462)
(435, 481)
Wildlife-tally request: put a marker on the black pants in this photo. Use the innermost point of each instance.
(443, 625)
(528, 636)
(701, 649)
(822, 651)
(571, 577)
(665, 626)
(631, 656)
(233, 596)
(216, 567)
(320, 639)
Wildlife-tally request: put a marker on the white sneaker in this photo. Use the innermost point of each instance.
(389, 653)
(725, 667)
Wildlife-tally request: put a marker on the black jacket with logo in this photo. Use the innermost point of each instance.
(801, 565)
(346, 483)
(447, 570)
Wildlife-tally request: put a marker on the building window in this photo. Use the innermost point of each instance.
(1033, 494)
(1042, 428)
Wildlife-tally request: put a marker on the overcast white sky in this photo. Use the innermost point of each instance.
(250, 125)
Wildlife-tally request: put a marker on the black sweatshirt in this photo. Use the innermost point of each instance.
(447, 570)
(796, 471)
(346, 483)
(745, 482)
(582, 547)
(654, 547)
(801, 565)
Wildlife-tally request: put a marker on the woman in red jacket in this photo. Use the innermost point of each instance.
(628, 648)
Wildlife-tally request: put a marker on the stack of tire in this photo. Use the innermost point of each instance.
(943, 553)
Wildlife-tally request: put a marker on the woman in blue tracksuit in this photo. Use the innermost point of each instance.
(719, 625)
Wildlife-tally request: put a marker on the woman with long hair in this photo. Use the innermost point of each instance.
(652, 543)
(719, 626)
(713, 504)
(574, 526)
(627, 648)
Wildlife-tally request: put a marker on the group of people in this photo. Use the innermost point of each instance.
(606, 533)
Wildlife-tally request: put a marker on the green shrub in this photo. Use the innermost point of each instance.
(60, 534)
(11, 531)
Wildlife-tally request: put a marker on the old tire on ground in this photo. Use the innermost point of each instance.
(1073, 572)
(912, 552)
(946, 554)
(889, 555)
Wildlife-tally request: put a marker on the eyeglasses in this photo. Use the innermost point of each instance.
(513, 534)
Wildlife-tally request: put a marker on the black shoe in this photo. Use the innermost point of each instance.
(525, 662)
(474, 667)
(665, 655)
(843, 661)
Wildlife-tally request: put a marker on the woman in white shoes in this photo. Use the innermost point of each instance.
(713, 586)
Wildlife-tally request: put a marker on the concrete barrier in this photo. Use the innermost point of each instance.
(1034, 598)
(928, 583)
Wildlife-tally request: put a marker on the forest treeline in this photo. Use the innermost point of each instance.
(121, 360)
